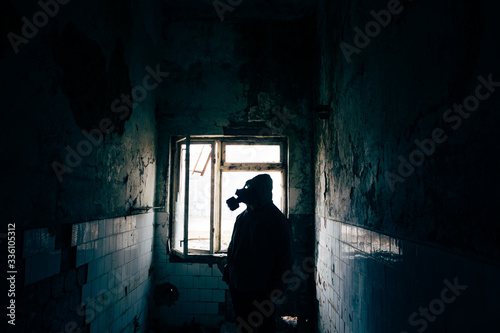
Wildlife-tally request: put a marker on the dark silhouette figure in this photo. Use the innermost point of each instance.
(259, 254)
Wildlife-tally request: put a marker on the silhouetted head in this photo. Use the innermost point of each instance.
(261, 189)
(257, 191)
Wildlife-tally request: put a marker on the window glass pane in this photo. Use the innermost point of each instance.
(200, 172)
(252, 153)
(233, 180)
(178, 232)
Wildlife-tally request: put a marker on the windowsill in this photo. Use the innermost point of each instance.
(198, 258)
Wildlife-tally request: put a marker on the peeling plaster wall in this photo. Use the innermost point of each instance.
(241, 74)
(395, 92)
(382, 253)
(227, 78)
(63, 82)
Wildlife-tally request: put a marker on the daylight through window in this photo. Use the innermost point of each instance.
(206, 172)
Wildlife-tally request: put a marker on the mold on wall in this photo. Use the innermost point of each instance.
(406, 198)
(241, 78)
(245, 80)
(387, 101)
(76, 159)
(71, 158)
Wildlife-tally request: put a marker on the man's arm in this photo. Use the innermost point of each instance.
(283, 252)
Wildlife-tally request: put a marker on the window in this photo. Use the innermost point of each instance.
(208, 171)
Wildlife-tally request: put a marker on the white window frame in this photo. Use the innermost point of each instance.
(219, 166)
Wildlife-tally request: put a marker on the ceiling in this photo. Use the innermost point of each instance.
(265, 10)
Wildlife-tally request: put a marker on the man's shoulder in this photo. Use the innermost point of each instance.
(275, 212)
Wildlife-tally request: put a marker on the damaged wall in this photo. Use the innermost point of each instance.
(64, 80)
(392, 214)
(395, 91)
(74, 75)
(238, 78)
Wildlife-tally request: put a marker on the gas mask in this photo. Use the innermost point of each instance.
(245, 195)
(257, 191)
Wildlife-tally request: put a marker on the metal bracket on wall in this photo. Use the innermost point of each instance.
(144, 209)
(323, 111)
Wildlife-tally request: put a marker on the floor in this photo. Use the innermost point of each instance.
(285, 325)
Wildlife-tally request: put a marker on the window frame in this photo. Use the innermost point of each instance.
(218, 156)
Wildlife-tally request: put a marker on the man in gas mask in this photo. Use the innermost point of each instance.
(259, 254)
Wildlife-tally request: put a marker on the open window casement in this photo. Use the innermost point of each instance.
(194, 197)
(206, 172)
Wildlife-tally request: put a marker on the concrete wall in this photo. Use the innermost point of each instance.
(61, 81)
(239, 78)
(385, 93)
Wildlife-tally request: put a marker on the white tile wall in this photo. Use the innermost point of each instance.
(42, 260)
(201, 290)
(370, 282)
(119, 254)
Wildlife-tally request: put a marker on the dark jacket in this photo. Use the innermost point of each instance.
(260, 250)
